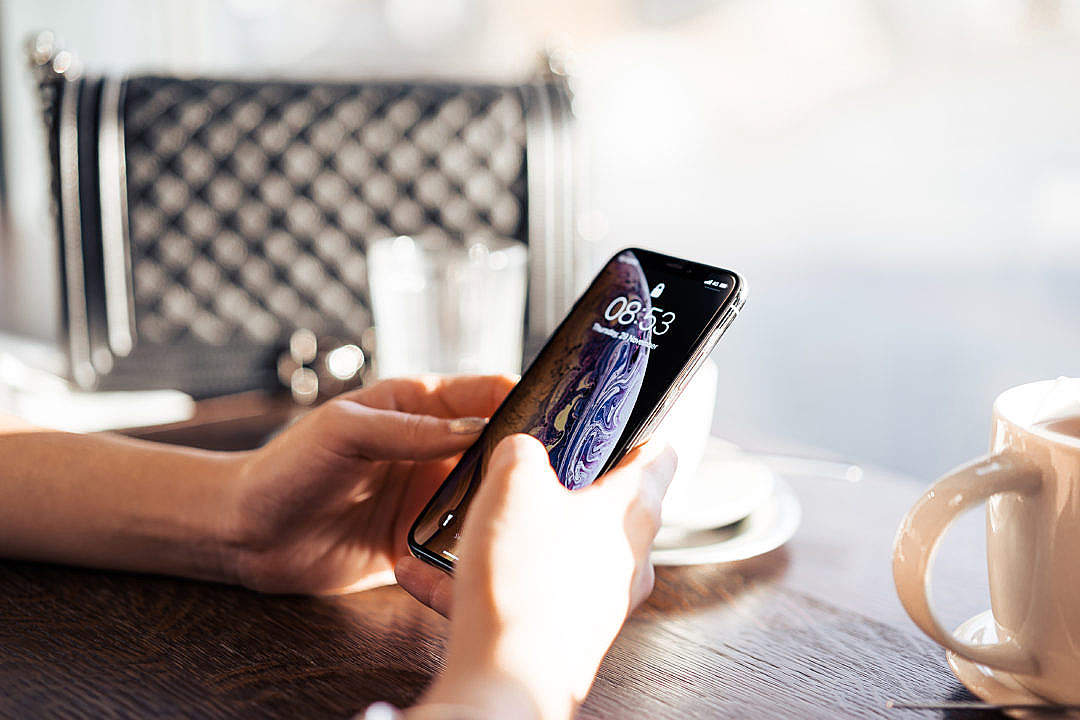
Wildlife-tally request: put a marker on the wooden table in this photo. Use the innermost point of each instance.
(810, 630)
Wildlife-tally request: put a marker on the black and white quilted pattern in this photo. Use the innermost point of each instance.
(250, 204)
(200, 222)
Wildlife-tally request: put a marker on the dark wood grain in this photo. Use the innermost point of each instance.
(810, 630)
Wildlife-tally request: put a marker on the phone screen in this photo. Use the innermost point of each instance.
(598, 380)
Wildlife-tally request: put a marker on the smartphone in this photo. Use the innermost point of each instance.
(601, 384)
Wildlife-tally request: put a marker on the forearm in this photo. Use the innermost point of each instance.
(112, 502)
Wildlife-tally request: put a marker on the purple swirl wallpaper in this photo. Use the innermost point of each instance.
(584, 416)
(577, 397)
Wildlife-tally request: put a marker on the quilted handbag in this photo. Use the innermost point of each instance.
(202, 221)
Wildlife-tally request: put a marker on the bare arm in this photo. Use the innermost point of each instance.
(323, 508)
(112, 502)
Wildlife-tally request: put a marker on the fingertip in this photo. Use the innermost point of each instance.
(516, 449)
(520, 445)
(650, 465)
(643, 453)
(659, 471)
(668, 463)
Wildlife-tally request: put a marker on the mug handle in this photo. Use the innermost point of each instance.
(920, 534)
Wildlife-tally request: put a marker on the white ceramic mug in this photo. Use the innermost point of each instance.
(1030, 482)
(686, 429)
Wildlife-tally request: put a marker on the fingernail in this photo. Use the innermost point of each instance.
(467, 425)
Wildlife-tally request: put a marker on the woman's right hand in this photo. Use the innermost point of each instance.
(546, 578)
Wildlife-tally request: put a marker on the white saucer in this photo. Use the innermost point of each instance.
(721, 488)
(993, 686)
(725, 489)
(769, 526)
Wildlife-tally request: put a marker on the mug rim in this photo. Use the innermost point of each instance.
(1051, 436)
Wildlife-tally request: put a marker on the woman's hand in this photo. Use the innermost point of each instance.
(325, 507)
(545, 581)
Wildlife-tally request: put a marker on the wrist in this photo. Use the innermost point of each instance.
(200, 517)
(237, 540)
(499, 684)
(487, 694)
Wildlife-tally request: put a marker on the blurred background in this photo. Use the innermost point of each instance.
(899, 180)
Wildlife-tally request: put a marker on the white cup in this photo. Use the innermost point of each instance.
(687, 428)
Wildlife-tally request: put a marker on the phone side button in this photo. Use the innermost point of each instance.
(662, 411)
(729, 317)
(647, 433)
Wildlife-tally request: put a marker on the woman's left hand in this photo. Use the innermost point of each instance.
(325, 507)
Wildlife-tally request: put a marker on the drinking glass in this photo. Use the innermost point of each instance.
(445, 307)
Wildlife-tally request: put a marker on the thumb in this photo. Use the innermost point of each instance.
(639, 483)
(427, 584)
(352, 429)
(646, 470)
